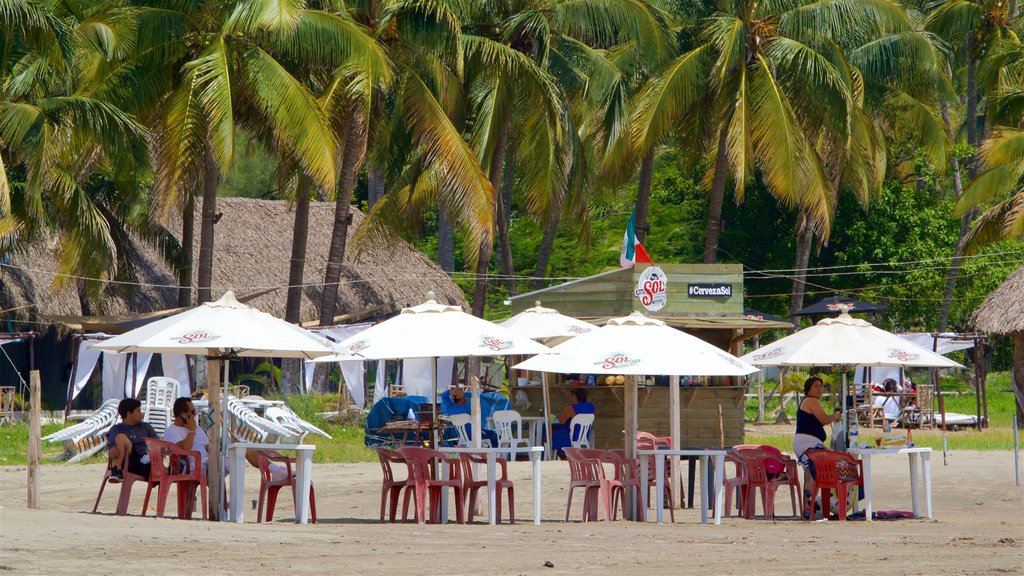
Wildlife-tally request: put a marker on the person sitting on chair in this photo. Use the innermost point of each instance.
(129, 437)
(560, 432)
(185, 432)
(891, 404)
(461, 403)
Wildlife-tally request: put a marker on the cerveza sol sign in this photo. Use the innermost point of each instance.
(709, 290)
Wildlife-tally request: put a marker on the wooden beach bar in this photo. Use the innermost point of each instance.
(705, 300)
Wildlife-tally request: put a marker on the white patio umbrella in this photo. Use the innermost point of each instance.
(546, 325)
(432, 330)
(845, 342)
(221, 330)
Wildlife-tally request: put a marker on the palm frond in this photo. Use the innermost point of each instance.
(669, 96)
(278, 16)
(1005, 220)
(212, 72)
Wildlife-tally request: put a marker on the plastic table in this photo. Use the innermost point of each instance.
(659, 474)
(303, 476)
(920, 458)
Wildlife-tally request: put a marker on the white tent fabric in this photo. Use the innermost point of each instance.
(86, 363)
(416, 375)
(114, 385)
(176, 366)
(352, 372)
(380, 386)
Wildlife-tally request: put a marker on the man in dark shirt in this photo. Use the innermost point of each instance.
(130, 437)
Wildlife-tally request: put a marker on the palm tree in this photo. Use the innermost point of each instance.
(75, 162)
(242, 65)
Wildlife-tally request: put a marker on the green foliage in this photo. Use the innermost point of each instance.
(261, 378)
(253, 173)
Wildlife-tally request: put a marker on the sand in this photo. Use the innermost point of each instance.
(978, 528)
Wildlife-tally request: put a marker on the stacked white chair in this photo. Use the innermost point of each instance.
(508, 424)
(285, 417)
(88, 436)
(461, 423)
(161, 392)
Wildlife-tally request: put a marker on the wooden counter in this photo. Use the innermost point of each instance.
(698, 412)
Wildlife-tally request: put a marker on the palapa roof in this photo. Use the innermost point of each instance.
(252, 251)
(1002, 312)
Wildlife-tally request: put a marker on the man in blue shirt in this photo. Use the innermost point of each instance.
(129, 437)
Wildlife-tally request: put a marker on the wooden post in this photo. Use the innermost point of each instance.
(675, 429)
(213, 466)
(721, 428)
(34, 448)
(630, 406)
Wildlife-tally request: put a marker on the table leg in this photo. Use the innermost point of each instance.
(915, 500)
(926, 466)
(691, 472)
(703, 489)
(237, 484)
(719, 478)
(491, 500)
(644, 475)
(868, 510)
(303, 479)
(441, 473)
(659, 484)
(535, 459)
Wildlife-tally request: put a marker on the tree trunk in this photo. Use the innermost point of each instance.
(643, 195)
(188, 232)
(206, 233)
(374, 185)
(342, 218)
(497, 164)
(296, 270)
(503, 216)
(547, 243)
(965, 227)
(716, 198)
(83, 298)
(804, 239)
(1018, 372)
(445, 239)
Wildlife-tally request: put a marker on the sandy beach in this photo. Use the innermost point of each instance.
(978, 528)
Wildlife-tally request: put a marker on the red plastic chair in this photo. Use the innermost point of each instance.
(420, 460)
(627, 475)
(393, 488)
(269, 487)
(472, 486)
(124, 498)
(583, 473)
(827, 477)
(734, 484)
(788, 477)
(166, 464)
(656, 441)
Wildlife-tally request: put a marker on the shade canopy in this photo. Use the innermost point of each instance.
(225, 328)
(846, 341)
(432, 330)
(539, 323)
(831, 305)
(638, 345)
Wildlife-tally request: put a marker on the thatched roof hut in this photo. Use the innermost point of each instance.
(1002, 312)
(252, 254)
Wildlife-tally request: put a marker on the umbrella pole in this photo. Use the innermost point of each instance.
(842, 402)
(214, 467)
(675, 430)
(630, 404)
(545, 392)
(433, 403)
(474, 386)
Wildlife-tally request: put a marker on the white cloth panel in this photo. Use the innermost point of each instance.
(416, 375)
(114, 385)
(353, 373)
(176, 366)
(85, 363)
(380, 385)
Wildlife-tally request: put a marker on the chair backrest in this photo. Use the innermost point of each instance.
(503, 425)
(287, 419)
(925, 396)
(161, 392)
(581, 468)
(579, 430)
(419, 462)
(461, 424)
(827, 466)
(651, 440)
(264, 457)
(168, 462)
(389, 457)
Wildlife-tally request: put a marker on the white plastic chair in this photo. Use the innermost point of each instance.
(161, 392)
(88, 436)
(461, 423)
(579, 428)
(508, 424)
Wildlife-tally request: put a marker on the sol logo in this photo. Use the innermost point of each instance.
(358, 346)
(495, 344)
(773, 353)
(578, 329)
(652, 289)
(196, 337)
(903, 355)
(617, 360)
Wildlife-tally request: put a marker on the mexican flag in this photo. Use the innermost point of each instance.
(632, 250)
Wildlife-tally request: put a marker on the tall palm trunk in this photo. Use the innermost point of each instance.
(503, 217)
(374, 185)
(804, 240)
(547, 242)
(188, 233)
(296, 270)
(497, 164)
(643, 195)
(445, 239)
(965, 226)
(210, 184)
(716, 198)
(342, 218)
